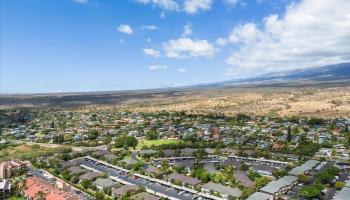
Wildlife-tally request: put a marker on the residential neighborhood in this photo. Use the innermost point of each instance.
(122, 155)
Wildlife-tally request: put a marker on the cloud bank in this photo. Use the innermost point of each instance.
(311, 33)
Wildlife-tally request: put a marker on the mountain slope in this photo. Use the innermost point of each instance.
(338, 73)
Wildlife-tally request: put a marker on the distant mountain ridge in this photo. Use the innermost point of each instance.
(330, 73)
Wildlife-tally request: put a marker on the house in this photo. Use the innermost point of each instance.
(76, 170)
(103, 183)
(144, 196)
(183, 180)
(90, 176)
(67, 164)
(304, 168)
(7, 168)
(5, 189)
(35, 185)
(109, 157)
(151, 170)
(224, 191)
(118, 192)
(277, 146)
(260, 196)
(282, 185)
(187, 152)
(242, 177)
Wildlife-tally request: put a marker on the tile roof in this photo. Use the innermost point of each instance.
(144, 196)
(90, 175)
(185, 179)
(104, 182)
(34, 185)
(76, 170)
(222, 189)
(124, 189)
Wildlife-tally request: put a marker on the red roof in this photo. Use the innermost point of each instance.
(35, 184)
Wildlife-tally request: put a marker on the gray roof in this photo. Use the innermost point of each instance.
(168, 152)
(109, 156)
(307, 166)
(276, 186)
(104, 182)
(235, 192)
(242, 177)
(151, 169)
(347, 184)
(185, 179)
(90, 175)
(76, 170)
(144, 196)
(124, 189)
(187, 152)
(343, 194)
(259, 196)
(66, 164)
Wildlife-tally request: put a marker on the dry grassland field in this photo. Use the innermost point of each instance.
(326, 102)
(274, 101)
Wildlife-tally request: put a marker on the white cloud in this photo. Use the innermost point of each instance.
(81, 1)
(186, 47)
(157, 67)
(151, 52)
(188, 6)
(246, 33)
(149, 27)
(221, 41)
(162, 15)
(194, 6)
(187, 30)
(148, 40)
(311, 33)
(181, 70)
(231, 3)
(124, 28)
(171, 5)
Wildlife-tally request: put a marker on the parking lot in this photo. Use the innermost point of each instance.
(157, 187)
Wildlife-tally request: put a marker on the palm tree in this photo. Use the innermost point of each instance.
(41, 195)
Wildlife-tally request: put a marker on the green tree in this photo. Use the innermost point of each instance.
(152, 135)
(289, 136)
(66, 175)
(244, 167)
(99, 196)
(86, 183)
(304, 178)
(261, 182)
(311, 191)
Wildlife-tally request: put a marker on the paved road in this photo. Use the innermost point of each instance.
(157, 187)
(343, 177)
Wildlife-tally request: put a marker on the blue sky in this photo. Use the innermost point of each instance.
(100, 45)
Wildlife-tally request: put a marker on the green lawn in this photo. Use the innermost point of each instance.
(155, 142)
